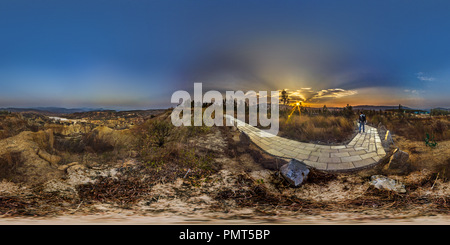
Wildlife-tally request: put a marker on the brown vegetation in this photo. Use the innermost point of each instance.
(153, 167)
(414, 128)
(317, 128)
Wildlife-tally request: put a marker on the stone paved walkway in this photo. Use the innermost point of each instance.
(364, 150)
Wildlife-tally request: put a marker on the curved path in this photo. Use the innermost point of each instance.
(363, 151)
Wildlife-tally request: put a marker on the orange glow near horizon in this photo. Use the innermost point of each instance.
(375, 96)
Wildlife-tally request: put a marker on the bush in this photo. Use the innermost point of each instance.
(154, 132)
(10, 162)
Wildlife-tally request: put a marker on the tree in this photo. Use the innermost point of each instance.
(284, 97)
(348, 111)
(325, 109)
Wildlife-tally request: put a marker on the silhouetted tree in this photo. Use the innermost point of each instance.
(284, 97)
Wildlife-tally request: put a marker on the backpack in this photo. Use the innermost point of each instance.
(362, 118)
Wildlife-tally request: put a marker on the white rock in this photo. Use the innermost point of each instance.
(384, 183)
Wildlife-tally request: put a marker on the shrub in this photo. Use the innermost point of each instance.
(10, 162)
(160, 130)
(153, 132)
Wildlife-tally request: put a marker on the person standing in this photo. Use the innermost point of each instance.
(362, 121)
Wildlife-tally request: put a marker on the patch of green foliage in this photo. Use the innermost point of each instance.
(429, 141)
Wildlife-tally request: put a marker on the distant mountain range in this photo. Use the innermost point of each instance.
(374, 107)
(383, 108)
(51, 110)
(61, 110)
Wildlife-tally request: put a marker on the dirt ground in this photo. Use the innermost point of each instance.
(247, 189)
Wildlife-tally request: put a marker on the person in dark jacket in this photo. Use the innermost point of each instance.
(362, 121)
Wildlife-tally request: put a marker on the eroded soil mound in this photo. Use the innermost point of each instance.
(24, 159)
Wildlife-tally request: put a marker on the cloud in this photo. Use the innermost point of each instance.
(310, 96)
(422, 77)
(413, 91)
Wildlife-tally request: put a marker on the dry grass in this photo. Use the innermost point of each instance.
(13, 124)
(326, 129)
(414, 128)
(10, 162)
(123, 191)
(167, 154)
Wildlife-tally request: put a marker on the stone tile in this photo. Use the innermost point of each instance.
(298, 145)
(340, 166)
(310, 148)
(351, 149)
(301, 157)
(355, 153)
(322, 146)
(332, 167)
(288, 153)
(267, 140)
(339, 154)
(347, 165)
(329, 150)
(350, 158)
(288, 147)
(316, 165)
(381, 151)
(364, 162)
(290, 142)
(274, 152)
(359, 148)
(364, 149)
(368, 155)
(264, 147)
(302, 151)
(313, 158)
(338, 147)
(277, 148)
(320, 154)
(329, 159)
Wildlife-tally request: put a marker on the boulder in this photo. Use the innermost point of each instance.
(295, 172)
(384, 183)
(398, 163)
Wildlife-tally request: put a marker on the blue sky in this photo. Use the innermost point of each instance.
(135, 54)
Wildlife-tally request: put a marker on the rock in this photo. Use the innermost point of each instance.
(63, 167)
(52, 159)
(60, 188)
(384, 183)
(66, 166)
(133, 154)
(398, 163)
(244, 139)
(295, 172)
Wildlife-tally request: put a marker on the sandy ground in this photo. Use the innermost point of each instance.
(222, 199)
(124, 219)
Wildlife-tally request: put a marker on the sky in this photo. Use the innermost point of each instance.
(134, 54)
